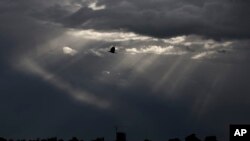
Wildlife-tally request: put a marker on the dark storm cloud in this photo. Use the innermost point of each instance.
(163, 18)
(152, 96)
(31, 107)
(216, 19)
(19, 31)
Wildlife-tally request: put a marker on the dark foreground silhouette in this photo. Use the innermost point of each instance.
(120, 136)
(193, 137)
(112, 50)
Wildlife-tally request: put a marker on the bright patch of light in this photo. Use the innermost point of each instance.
(211, 44)
(155, 50)
(203, 54)
(29, 66)
(94, 6)
(96, 53)
(175, 40)
(106, 72)
(69, 51)
(188, 44)
(226, 44)
(108, 36)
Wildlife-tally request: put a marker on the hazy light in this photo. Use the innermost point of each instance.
(168, 50)
(30, 66)
(106, 72)
(226, 44)
(188, 44)
(96, 53)
(108, 36)
(69, 51)
(175, 40)
(211, 44)
(94, 6)
(203, 54)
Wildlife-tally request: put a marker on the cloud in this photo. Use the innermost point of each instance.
(169, 18)
(112, 36)
(69, 51)
(169, 50)
(154, 88)
(94, 6)
(203, 55)
(175, 40)
(160, 19)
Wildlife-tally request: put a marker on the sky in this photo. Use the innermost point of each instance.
(181, 67)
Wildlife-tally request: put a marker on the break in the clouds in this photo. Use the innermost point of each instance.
(181, 66)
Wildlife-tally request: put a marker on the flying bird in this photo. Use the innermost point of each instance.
(112, 50)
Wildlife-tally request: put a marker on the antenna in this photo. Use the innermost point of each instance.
(116, 130)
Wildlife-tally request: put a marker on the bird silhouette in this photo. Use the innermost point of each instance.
(112, 49)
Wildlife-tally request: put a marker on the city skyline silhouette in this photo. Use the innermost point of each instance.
(120, 136)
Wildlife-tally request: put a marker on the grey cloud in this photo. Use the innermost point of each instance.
(214, 19)
(153, 96)
(223, 19)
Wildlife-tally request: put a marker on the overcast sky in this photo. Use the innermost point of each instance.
(181, 67)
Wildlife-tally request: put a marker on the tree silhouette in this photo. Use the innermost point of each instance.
(192, 137)
(210, 138)
(74, 139)
(175, 139)
(2, 139)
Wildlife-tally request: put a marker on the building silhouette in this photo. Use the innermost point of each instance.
(192, 137)
(175, 139)
(74, 139)
(2, 139)
(99, 139)
(52, 139)
(210, 138)
(120, 136)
